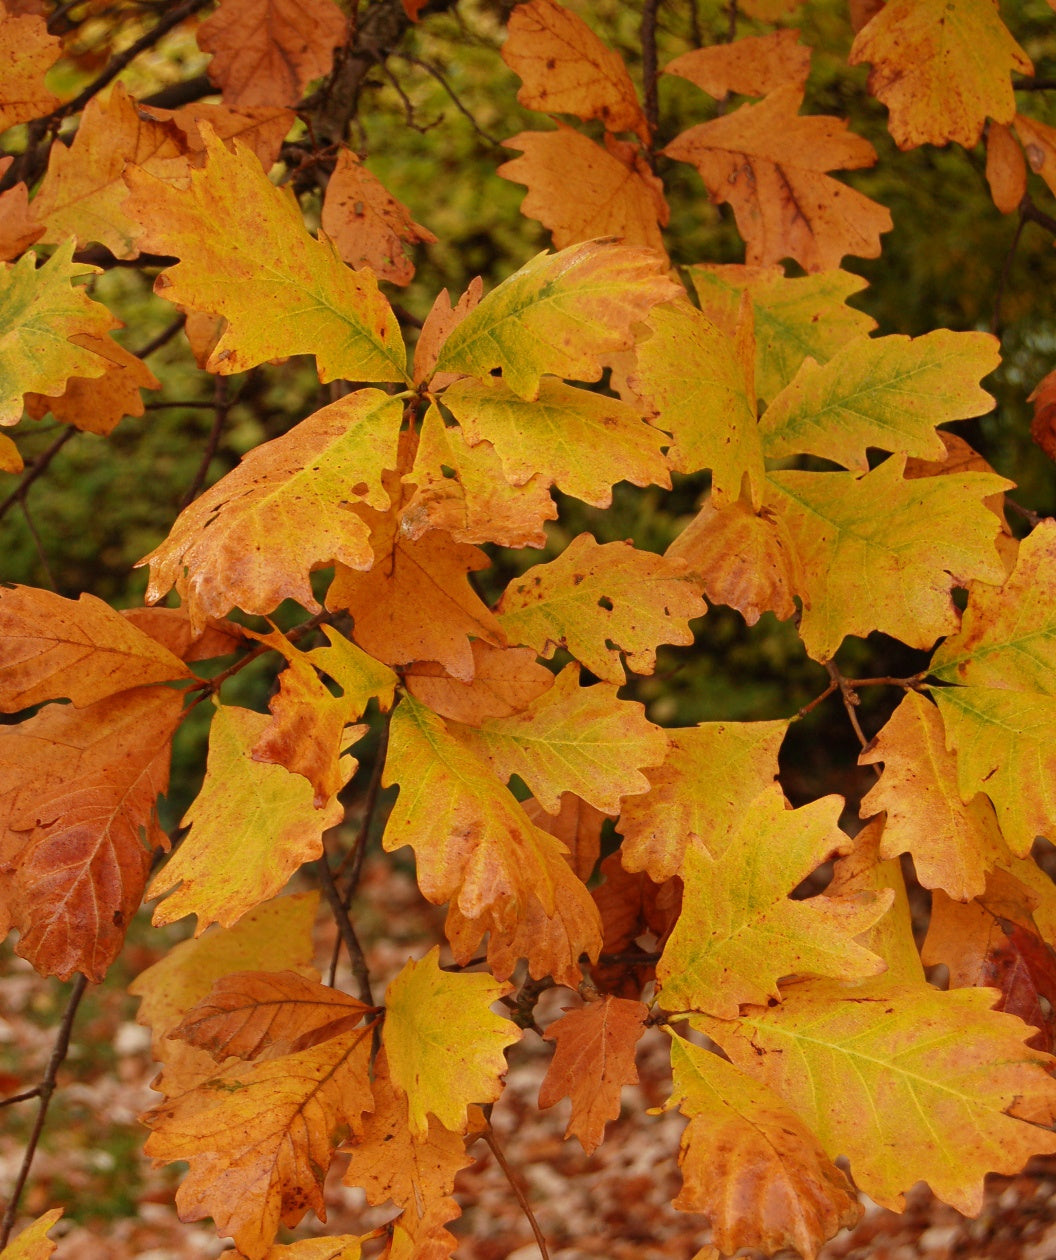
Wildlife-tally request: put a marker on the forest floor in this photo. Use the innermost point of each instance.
(613, 1205)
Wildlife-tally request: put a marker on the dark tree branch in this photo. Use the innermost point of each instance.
(650, 70)
(221, 405)
(489, 1137)
(356, 957)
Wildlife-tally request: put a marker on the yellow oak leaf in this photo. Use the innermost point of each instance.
(43, 313)
(246, 255)
(31, 1243)
(572, 739)
(711, 775)
(258, 1137)
(709, 406)
(593, 1059)
(580, 441)
(744, 1144)
(27, 52)
(369, 227)
(505, 680)
(81, 787)
(739, 931)
(18, 226)
(951, 1072)
(10, 459)
(96, 404)
(793, 316)
(769, 163)
(941, 67)
(880, 552)
(566, 69)
(248, 1012)
(81, 650)
(254, 537)
(601, 600)
(332, 1247)
(266, 53)
(951, 841)
(887, 392)
(752, 66)
(580, 190)
(252, 825)
(274, 936)
(83, 192)
(462, 489)
(443, 1042)
(564, 314)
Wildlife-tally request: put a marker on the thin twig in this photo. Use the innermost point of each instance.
(221, 405)
(17, 1098)
(163, 338)
(45, 1091)
(650, 70)
(489, 1137)
(1028, 514)
(38, 542)
(38, 468)
(1006, 271)
(357, 959)
(850, 703)
(462, 109)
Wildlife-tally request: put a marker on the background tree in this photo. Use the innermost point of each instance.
(451, 599)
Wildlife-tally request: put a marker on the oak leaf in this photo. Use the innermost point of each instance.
(443, 1043)
(18, 226)
(31, 1243)
(577, 824)
(739, 932)
(572, 739)
(710, 777)
(600, 601)
(258, 1137)
(752, 66)
(562, 314)
(369, 227)
(252, 825)
(593, 1059)
(887, 392)
(81, 650)
(744, 1145)
(793, 316)
(1039, 146)
(941, 67)
(261, 128)
(266, 51)
(566, 69)
(880, 552)
(580, 190)
(631, 906)
(1006, 167)
(171, 627)
(333, 1247)
(580, 441)
(438, 324)
(952, 1075)
(246, 1013)
(252, 539)
(769, 163)
(10, 459)
(81, 787)
(505, 680)
(27, 52)
(246, 255)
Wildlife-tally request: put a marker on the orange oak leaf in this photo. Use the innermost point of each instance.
(331, 1247)
(274, 936)
(566, 69)
(1006, 167)
(258, 1137)
(744, 558)
(941, 67)
(254, 537)
(572, 739)
(505, 680)
(951, 1072)
(580, 441)
(31, 1243)
(593, 1060)
(81, 787)
(96, 404)
(416, 603)
(769, 163)
(27, 52)
(252, 825)
(580, 190)
(577, 824)
(83, 192)
(18, 227)
(745, 1145)
(81, 650)
(266, 51)
(710, 776)
(171, 627)
(952, 841)
(462, 489)
(443, 1043)
(247, 1013)
(601, 600)
(752, 66)
(246, 255)
(441, 319)
(10, 459)
(1039, 146)
(367, 224)
(739, 932)
(563, 314)
(632, 906)
(261, 128)
(43, 313)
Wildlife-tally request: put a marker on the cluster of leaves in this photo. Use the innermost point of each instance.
(801, 1029)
